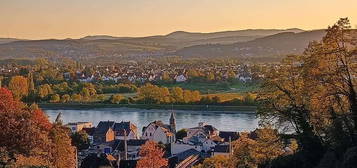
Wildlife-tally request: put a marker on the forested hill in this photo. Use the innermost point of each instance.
(244, 43)
(269, 46)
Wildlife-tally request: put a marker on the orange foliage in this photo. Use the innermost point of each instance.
(151, 156)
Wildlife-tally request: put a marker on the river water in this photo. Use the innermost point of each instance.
(222, 120)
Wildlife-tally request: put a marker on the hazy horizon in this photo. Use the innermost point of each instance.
(42, 19)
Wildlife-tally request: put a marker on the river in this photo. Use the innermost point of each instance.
(222, 120)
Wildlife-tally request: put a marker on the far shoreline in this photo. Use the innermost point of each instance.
(83, 106)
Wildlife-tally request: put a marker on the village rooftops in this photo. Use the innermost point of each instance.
(103, 127)
(127, 126)
(228, 134)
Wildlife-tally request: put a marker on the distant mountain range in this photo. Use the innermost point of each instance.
(241, 43)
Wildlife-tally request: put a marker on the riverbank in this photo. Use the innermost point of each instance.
(79, 106)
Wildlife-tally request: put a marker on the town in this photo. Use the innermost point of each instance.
(118, 144)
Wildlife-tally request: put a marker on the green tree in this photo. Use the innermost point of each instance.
(55, 98)
(180, 134)
(80, 140)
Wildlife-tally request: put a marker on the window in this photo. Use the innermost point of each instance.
(150, 134)
(146, 134)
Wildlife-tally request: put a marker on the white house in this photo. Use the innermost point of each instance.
(158, 132)
(180, 78)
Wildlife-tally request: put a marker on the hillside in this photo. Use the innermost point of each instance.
(274, 45)
(8, 40)
(242, 43)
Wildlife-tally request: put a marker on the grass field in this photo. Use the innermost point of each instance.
(222, 87)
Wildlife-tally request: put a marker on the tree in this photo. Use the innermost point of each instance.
(44, 91)
(55, 98)
(1, 78)
(61, 149)
(181, 134)
(65, 98)
(80, 140)
(218, 161)
(116, 98)
(151, 156)
(76, 97)
(315, 94)
(166, 77)
(150, 94)
(251, 153)
(177, 94)
(20, 133)
(19, 86)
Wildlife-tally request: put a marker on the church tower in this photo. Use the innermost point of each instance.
(173, 122)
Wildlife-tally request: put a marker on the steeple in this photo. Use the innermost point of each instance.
(173, 122)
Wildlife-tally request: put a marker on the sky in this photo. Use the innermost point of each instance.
(44, 19)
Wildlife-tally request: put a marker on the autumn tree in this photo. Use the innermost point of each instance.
(63, 153)
(152, 156)
(219, 161)
(315, 94)
(116, 98)
(44, 91)
(177, 94)
(28, 139)
(19, 86)
(265, 147)
(55, 98)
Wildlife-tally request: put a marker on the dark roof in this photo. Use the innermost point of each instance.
(89, 131)
(119, 144)
(187, 153)
(210, 128)
(128, 163)
(127, 126)
(103, 127)
(157, 124)
(226, 134)
(221, 148)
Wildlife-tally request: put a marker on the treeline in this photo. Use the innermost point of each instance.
(24, 88)
(152, 94)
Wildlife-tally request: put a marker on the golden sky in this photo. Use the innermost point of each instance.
(42, 19)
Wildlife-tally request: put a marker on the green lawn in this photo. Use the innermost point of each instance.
(221, 87)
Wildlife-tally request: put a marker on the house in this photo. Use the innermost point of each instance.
(78, 126)
(104, 132)
(203, 131)
(127, 129)
(159, 132)
(222, 149)
(133, 148)
(180, 78)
